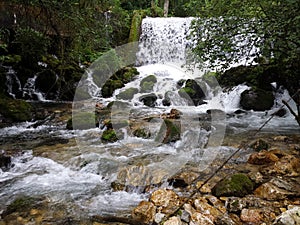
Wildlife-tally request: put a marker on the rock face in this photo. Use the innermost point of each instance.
(236, 185)
(257, 100)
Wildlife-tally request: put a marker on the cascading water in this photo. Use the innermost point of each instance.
(80, 175)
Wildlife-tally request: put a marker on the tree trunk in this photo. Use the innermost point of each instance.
(166, 8)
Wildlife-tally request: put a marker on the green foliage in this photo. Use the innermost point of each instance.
(228, 30)
(109, 136)
(16, 110)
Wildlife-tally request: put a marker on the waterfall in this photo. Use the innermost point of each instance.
(13, 83)
(164, 40)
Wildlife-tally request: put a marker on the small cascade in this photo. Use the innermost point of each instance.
(13, 84)
(30, 92)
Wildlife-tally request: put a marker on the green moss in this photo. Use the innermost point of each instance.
(16, 110)
(110, 86)
(236, 185)
(142, 133)
(109, 136)
(147, 87)
(128, 94)
(136, 22)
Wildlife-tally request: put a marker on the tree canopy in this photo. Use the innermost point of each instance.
(229, 29)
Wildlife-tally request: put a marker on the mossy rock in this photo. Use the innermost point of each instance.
(257, 100)
(82, 121)
(237, 185)
(128, 93)
(147, 87)
(135, 29)
(150, 78)
(109, 136)
(110, 86)
(192, 91)
(170, 131)
(142, 133)
(16, 110)
(21, 204)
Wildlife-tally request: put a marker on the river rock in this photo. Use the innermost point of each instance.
(257, 100)
(127, 94)
(192, 92)
(173, 221)
(288, 165)
(237, 185)
(263, 157)
(165, 200)
(149, 99)
(144, 212)
(276, 189)
(170, 131)
(197, 218)
(147, 84)
(252, 216)
(289, 217)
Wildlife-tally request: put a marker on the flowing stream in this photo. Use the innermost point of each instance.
(79, 172)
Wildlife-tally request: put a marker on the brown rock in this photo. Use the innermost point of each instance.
(288, 165)
(166, 200)
(263, 157)
(253, 216)
(198, 218)
(173, 221)
(144, 212)
(271, 191)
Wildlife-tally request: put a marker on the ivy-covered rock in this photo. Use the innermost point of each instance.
(237, 185)
(128, 93)
(257, 100)
(16, 110)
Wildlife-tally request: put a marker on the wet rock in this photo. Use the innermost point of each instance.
(144, 212)
(258, 145)
(202, 206)
(141, 132)
(263, 157)
(165, 200)
(5, 162)
(149, 99)
(170, 131)
(192, 92)
(290, 217)
(148, 83)
(257, 100)
(237, 185)
(252, 216)
(15, 110)
(235, 204)
(280, 113)
(127, 94)
(82, 121)
(182, 179)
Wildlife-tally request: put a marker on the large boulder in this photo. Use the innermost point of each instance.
(257, 100)
(148, 83)
(149, 99)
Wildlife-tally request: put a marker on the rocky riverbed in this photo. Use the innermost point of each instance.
(259, 185)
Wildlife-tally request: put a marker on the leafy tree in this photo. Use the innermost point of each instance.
(228, 30)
